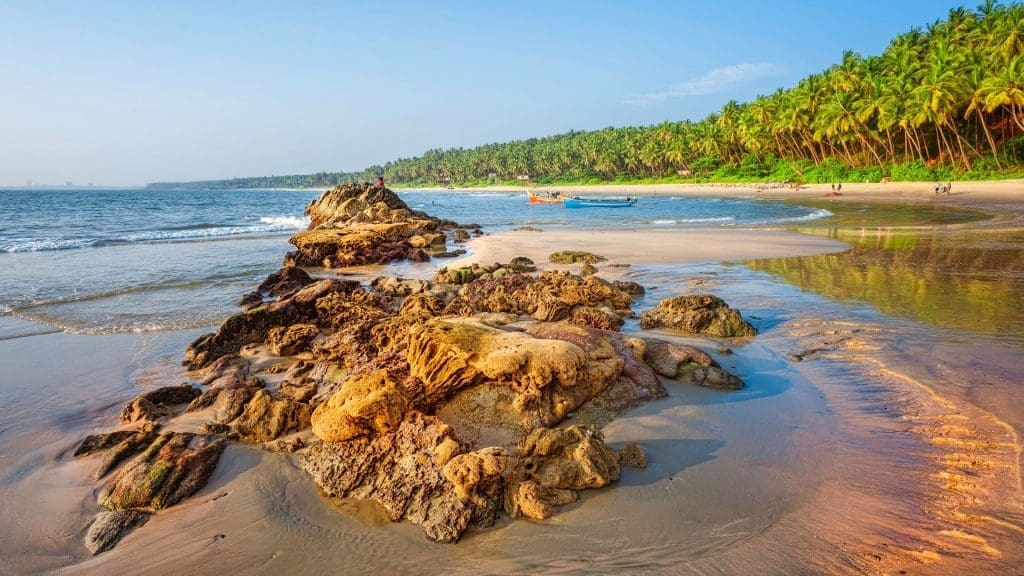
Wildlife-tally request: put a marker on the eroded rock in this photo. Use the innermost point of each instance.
(700, 314)
(168, 471)
(156, 404)
(110, 526)
(575, 256)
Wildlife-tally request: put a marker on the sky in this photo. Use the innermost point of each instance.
(125, 93)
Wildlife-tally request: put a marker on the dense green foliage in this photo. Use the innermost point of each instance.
(940, 103)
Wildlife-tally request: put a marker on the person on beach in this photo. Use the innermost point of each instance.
(380, 181)
(839, 187)
(937, 186)
(833, 186)
(948, 188)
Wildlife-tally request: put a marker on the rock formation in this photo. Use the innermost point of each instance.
(357, 224)
(449, 401)
(700, 314)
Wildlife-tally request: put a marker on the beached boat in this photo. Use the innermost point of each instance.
(577, 202)
(546, 198)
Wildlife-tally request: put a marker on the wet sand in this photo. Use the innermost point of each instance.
(648, 246)
(892, 446)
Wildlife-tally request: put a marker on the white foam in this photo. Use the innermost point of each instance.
(27, 245)
(268, 224)
(286, 222)
(816, 215)
(695, 220)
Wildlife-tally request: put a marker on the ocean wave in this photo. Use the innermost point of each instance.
(286, 222)
(34, 245)
(267, 224)
(816, 215)
(695, 220)
(129, 325)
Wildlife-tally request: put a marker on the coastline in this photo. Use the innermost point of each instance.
(996, 195)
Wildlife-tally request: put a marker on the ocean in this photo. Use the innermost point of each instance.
(108, 261)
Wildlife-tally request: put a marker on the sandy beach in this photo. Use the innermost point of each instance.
(857, 457)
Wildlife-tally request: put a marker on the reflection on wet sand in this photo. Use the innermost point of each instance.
(971, 281)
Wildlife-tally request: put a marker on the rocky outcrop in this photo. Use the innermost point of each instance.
(170, 470)
(110, 526)
(448, 401)
(549, 296)
(280, 284)
(574, 257)
(290, 340)
(553, 464)
(402, 470)
(700, 314)
(117, 446)
(549, 378)
(356, 224)
(158, 403)
(254, 325)
(266, 418)
(366, 404)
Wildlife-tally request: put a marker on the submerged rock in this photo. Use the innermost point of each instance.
(700, 314)
(710, 376)
(632, 455)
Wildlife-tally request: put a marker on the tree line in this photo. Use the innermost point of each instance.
(942, 101)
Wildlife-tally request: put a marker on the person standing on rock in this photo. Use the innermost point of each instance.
(380, 181)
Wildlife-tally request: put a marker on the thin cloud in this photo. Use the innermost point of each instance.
(714, 82)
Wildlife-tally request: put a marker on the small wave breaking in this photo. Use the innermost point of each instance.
(267, 224)
(694, 220)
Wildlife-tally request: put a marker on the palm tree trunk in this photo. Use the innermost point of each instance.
(988, 135)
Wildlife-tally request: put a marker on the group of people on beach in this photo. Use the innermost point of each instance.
(943, 188)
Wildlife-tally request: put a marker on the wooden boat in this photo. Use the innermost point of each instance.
(548, 198)
(577, 202)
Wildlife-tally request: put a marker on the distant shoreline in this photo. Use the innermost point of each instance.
(992, 195)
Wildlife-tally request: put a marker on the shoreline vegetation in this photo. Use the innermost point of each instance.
(940, 103)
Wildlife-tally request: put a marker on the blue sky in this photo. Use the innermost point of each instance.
(125, 93)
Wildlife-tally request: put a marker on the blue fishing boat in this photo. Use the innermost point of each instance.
(577, 202)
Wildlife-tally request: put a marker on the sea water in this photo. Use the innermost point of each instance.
(103, 261)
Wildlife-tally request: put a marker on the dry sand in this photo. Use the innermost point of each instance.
(649, 246)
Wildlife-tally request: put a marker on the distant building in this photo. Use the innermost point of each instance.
(69, 183)
(684, 172)
(522, 176)
(28, 183)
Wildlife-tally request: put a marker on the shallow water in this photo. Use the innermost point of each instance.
(968, 280)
